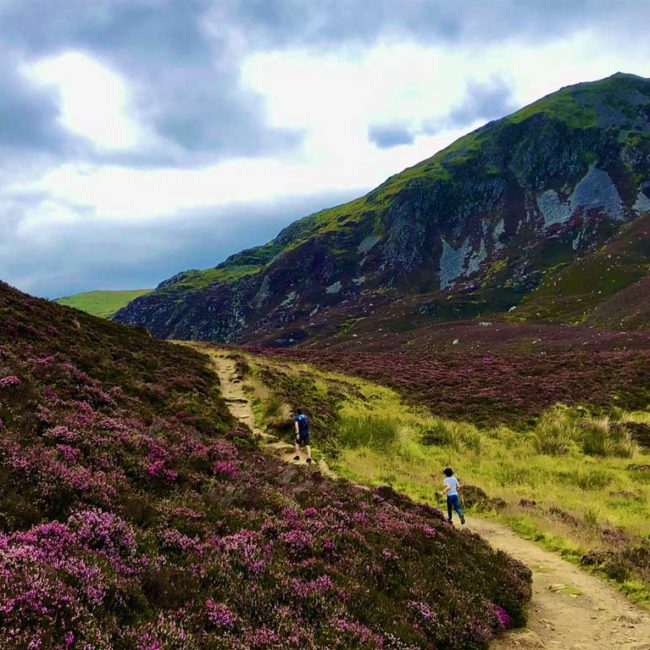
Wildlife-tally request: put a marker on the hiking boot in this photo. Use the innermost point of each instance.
(309, 460)
(462, 520)
(451, 523)
(296, 457)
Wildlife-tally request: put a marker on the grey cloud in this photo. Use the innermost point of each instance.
(483, 101)
(387, 136)
(184, 81)
(98, 253)
(182, 57)
(345, 21)
(28, 115)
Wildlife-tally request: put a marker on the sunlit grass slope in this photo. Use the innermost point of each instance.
(102, 303)
(574, 480)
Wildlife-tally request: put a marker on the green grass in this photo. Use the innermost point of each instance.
(199, 279)
(570, 460)
(102, 303)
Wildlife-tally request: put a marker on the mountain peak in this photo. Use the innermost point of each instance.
(470, 231)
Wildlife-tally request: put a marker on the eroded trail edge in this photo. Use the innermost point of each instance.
(570, 609)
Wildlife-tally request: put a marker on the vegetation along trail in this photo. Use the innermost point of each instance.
(570, 609)
(232, 389)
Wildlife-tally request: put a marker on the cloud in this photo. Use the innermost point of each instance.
(483, 101)
(183, 76)
(430, 22)
(387, 136)
(218, 107)
(50, 251)
(182, 58)
(28, 114)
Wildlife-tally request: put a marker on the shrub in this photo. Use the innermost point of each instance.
(368, 431)
(273, 407)
(595, 479)
(561, 428)
(601, 437)
(556, 431)
(457, 435)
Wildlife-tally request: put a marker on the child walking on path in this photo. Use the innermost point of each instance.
(452, 486)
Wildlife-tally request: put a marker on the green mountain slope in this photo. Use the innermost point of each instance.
(475, 227)
(102, 303)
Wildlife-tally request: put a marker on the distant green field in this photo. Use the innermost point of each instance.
(102, 303)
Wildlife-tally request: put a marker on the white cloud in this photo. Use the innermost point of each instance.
(335, 98)
(93, 99)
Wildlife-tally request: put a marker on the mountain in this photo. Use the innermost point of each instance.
(135, 513)
(102, 303)
(473, 231)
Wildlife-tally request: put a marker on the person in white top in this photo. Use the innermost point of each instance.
(451, 490)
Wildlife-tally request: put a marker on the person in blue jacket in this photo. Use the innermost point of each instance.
(303, 436)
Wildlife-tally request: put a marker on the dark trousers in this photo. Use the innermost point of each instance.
(453, 503)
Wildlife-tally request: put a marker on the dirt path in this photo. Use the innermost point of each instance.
(570, 609)
(232, 389)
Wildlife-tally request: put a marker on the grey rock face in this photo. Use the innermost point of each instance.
(597, 191)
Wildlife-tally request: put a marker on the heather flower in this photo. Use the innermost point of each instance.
(504, 617)
(69, 453)
(62, 433)
(220, 615)
(317, 587)
(9, 380)
(423, 611)
(224, 469)
(298, 542)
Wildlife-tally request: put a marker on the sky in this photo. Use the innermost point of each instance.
(140, 138)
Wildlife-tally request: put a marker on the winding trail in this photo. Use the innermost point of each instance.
(570, 609)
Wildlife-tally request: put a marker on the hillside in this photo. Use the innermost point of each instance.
(574, 479)
(134, 513)
(470, 232)
(102, 303)
(606, 286)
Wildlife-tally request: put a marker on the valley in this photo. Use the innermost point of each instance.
(484, 309)
(137, 512)
(568, 609)
(575, 480)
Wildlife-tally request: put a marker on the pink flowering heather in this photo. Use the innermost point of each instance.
(8, 381)
(224, 469)
(137, 515)
(220, 615)
(504, 617)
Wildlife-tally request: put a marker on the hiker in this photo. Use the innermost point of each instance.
(451, 489)
(301, 422)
